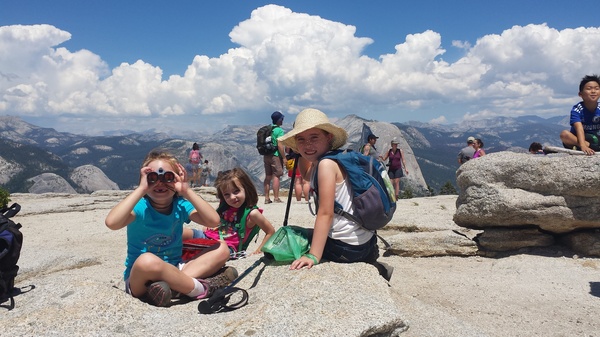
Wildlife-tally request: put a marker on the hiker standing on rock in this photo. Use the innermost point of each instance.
(335, 238)
(274, 162)
(369, 148)
(154, 214)
(397, 165)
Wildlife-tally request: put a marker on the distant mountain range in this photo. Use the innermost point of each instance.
(436, 146)
(28, 150)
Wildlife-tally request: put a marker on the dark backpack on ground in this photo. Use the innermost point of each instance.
(373, 199)
(264, 143)
(11, 241)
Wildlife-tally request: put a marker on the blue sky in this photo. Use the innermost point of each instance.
(90, 66)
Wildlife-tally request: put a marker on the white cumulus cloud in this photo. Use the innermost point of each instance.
(288, 61)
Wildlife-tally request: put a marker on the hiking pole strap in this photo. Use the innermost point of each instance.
(247, 271)
(220, 299)
(289, 201)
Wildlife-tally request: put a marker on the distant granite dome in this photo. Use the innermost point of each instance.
(89, 179)
(50, 183)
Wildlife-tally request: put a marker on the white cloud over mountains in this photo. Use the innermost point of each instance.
(288, 61)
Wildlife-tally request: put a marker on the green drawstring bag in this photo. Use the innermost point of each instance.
(288, 243)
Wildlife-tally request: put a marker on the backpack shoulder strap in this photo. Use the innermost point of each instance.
(244, 242)
(337, 208)
(11, 211)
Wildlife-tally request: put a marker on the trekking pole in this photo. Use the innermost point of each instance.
(219, 300)
(289, 201)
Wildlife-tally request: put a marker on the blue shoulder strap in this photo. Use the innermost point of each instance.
(336, 155)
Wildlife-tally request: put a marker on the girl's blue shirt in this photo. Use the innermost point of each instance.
(157, 233)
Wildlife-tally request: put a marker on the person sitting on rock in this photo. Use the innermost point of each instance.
(536, 148)
(467, 152)
(334, 238)
(154, 214)
(478, 147)
(237, 200)
(585, 118)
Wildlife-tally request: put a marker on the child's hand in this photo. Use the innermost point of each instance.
(181, 184)
(587, 150)
(301, 263)
(144, 178)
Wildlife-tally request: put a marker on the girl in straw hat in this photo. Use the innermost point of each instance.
(335, 238)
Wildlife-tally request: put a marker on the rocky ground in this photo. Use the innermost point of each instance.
(541, 292)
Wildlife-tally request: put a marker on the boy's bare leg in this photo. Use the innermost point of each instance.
(568, 138)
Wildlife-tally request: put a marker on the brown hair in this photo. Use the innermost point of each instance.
(235, 177)
(159, 154)
(163, 155)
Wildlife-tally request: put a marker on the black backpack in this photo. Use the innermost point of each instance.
(11, 241)
(264, 143)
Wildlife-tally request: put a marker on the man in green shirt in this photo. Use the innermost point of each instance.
(274, 162)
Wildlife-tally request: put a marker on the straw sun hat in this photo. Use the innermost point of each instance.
(313, 118)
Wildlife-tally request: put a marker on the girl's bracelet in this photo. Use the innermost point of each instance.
(312, 257)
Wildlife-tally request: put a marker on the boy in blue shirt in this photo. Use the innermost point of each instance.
(585, 118)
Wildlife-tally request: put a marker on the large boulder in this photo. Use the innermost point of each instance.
(89, 179)
(50, 183)
(386, 133)
(530, 200)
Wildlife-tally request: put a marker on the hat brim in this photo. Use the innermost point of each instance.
(312, 118)
(340, 136)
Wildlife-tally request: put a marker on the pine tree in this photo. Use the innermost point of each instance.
(431, 190)
(448, 189)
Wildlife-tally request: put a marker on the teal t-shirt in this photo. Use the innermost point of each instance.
(277, 132)
(157, 233)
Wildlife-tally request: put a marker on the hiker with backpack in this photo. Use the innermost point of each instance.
(241, 219)
(397, 165)
(335, 238)
(273, 158)
(11, 243)
(154, 214)
(369, 149)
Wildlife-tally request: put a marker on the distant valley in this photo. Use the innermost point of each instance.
(29, 150)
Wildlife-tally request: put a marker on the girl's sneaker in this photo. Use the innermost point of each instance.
(219, 280)
(159, 294)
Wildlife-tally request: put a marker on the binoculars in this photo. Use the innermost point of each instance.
(163, 176)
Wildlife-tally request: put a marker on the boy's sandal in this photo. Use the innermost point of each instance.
(268, 201)
(278, 200)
